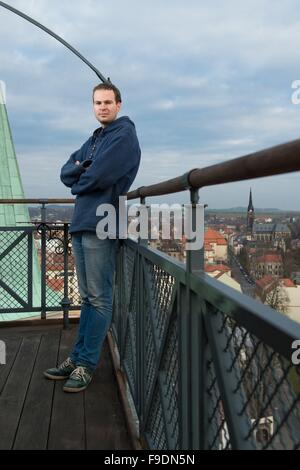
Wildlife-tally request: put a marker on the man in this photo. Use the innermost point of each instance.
(98, 173)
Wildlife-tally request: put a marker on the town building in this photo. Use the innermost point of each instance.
(268, 264)
(215, 247)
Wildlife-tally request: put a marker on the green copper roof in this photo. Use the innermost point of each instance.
(10, 179)
(13, 265)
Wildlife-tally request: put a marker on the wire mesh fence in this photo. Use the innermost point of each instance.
(32, 266)
(14, 272)
(248, 393)
(270, 384)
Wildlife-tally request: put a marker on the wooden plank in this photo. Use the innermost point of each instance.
(105, 422)
(12, 344)
(67, 428)
(36, 414)
(15, 389)
(38, 323)
(35, 420)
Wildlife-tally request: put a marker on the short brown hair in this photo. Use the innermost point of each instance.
(109, 86)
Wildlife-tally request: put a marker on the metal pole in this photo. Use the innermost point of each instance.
(140, 321)
(194, 258)
(197, 339)
(43, 261)
(142, 241)
(65, 303)
(192, 345)
(55, 36)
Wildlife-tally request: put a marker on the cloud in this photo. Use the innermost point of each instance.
(204, 84)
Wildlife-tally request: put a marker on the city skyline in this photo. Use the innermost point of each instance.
(203, 85)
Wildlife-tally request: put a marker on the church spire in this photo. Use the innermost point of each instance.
(250, 205)
(250, 216)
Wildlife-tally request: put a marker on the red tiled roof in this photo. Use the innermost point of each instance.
(270, 258)
(287, 282)
(210, 268)
(208, 248)
(56, 284)
(213, 236)
(265, 281)
(222, 242)
(55, 267)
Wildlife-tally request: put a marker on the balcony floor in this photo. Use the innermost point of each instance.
(35, 413)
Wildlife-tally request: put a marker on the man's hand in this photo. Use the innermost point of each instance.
(86, 163)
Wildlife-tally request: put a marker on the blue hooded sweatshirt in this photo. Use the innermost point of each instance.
(109, 161)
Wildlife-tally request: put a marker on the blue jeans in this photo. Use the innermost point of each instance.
(95, 265)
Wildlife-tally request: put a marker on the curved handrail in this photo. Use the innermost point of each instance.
(58, 38)
(284, 158)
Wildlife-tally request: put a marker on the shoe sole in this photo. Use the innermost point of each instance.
(74, 390)
(55, 377)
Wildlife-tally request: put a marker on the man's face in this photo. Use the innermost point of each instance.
(105, 106)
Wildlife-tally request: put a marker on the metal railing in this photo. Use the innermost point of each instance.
(206, 367)
(276, 160)
(37, 271)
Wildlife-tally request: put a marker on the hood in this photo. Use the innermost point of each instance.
(119, 123)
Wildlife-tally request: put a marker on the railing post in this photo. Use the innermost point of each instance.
(194, 258)
(43, 259)
(191, 347)
(30, 268)
(65, 303)
(140, 322)
(120, 279)
(142, 241)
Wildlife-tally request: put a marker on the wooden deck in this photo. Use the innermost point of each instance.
(35, 413)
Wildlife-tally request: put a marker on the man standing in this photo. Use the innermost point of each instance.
(98, 173)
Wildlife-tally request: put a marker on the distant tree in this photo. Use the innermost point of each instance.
(278, 299)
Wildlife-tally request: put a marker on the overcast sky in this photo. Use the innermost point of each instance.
(204, 82)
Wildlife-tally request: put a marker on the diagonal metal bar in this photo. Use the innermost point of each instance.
(128, 303)
(131, 382)
(159, 350)
(55, 36)
(128, 291)
(128, 337)
(150, 304)
(158, 347)
(265, 323)
(125, 328)
(238, 425)
(13, 294)
(164, 405)
(12, 245)
(172, 312)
